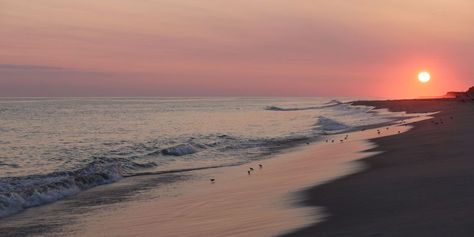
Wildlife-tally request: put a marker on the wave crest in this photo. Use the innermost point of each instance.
(18, 193)
(326, 105)
(330, 125)
(180, 150)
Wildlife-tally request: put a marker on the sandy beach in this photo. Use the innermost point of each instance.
(420, 185)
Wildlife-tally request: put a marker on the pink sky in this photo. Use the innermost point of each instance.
(235, 48)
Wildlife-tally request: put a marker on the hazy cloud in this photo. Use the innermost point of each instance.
(28, 67)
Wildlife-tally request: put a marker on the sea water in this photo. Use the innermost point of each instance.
(51, 148)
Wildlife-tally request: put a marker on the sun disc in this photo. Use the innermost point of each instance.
(424, 77)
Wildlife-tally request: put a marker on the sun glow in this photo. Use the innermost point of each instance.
(424, 77)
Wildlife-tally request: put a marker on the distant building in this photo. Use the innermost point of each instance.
(454, 94)
(470, 92)
(468, 95)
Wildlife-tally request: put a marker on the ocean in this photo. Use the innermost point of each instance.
(52, 148)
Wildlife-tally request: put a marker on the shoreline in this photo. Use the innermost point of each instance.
(263, 204)
(421, 185)
(237, 204)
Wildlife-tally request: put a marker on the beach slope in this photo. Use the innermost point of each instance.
(422, 184)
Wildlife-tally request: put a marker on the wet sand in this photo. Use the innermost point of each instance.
(422, 184)
(238, 204)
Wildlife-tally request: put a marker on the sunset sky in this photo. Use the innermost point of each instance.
(370, 48)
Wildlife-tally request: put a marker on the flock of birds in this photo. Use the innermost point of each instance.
(251, 169)
(249, 172)
(379, 131)
(435, 122)
(440, 121)
(342, 140)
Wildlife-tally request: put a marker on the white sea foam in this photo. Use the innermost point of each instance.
(180, 150)
(330, 125)
(18, 193)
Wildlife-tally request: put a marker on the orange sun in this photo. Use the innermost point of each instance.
(424, 77)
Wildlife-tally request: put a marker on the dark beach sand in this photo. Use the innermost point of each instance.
(421, 185)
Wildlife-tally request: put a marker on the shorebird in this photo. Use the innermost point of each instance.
(332, 141)
(248, 171)
(251, 169)
(213, 180)
(260, 165)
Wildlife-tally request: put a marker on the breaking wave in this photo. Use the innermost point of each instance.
(326, 105)
(18, 193)
(180, 150)
(330, 125)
